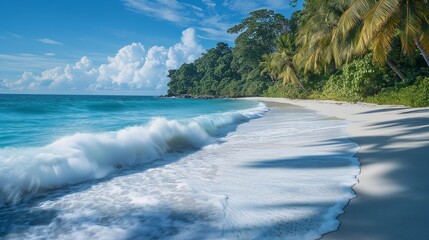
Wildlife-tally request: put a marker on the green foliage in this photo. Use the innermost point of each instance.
(356, 81)
(416, 95)
(258, 34)
(279, 65)
(182, 80)
(231, 72)
(379, 23)
(206, 75)
(286, 91)
(293, 22)
(328, 47)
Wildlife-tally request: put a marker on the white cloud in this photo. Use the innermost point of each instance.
(204, 15)
(245, 6)
(215, 28)
(209, 3)
(122, 69)
(26, 62)
(50, 54)
(132, 68)
(170, 10)
(71, 77)
(49, 41)
(186, 51)
(155, 67)
(17, 36)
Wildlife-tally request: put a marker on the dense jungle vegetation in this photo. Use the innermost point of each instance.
(351, 50)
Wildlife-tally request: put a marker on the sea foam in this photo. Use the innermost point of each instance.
(85, 156)
(286, 175)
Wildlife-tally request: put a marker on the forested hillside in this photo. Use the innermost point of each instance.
(352, 50)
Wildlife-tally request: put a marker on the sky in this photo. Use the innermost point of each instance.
(111, 46)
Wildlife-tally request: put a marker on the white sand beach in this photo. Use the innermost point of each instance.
(392, 199)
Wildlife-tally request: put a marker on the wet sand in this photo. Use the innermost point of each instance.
(392, 199)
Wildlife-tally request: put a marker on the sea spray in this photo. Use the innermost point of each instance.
(286, 175)
(84, 156)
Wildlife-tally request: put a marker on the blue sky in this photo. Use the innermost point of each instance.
(72, 46)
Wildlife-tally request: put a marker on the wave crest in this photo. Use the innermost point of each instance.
(84, 156)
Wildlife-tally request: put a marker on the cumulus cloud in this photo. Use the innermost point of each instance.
(132, 68)
(71, 77)
(122, 69)
(186, 51)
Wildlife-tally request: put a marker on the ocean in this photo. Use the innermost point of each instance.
(131, 167)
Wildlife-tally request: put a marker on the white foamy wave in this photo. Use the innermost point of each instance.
(85, 156)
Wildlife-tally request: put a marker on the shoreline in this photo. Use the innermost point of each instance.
(393, 188)
(238, 184)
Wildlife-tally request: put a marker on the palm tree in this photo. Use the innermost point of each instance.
(284, 58)
(381, 21)
(316, 34)
(268, 67)
(279, 65)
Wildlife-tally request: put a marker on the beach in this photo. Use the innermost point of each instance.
(212, 169)
(392, 193)
(201, 169)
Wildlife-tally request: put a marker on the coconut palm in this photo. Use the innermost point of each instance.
(380, 21)
(318, 47)
(279, 65)
(268, 67)
(284, 58)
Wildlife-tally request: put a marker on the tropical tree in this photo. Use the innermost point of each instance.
(268, 67)
(279, 65)
(316, 50)
(257, 36)
(379, 22)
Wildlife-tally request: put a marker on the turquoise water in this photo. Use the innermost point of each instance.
(37, 120)
(114, 167)
(51, 141)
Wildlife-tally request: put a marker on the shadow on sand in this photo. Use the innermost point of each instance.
(402, 214)
(305, 162)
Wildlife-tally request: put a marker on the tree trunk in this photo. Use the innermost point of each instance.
(396, 70)
(299, 82)
(422, 50)
(302, 86)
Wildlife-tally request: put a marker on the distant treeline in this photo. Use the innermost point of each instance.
(377, 51)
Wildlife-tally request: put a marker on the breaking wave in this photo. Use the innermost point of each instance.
(85, 156)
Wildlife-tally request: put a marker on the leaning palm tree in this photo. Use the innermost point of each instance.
(381, 21)
(279, 65)
(318, 48)
(284, 60)
(268, 67)
(288, 72)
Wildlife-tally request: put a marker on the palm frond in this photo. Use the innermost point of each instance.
(354, 15)
(382, 44)
(410, 25)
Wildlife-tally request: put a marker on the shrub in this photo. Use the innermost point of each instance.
(355, 81)
(416, 95)
(285, 90)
